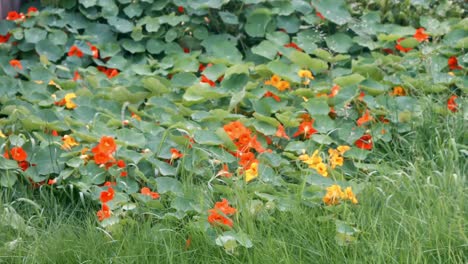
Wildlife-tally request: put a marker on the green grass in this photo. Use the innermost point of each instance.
(412, 210)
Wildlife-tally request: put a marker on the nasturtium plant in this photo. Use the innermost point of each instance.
(126, 100)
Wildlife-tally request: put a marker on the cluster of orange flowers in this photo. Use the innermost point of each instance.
(277, 82)
(245, 143)
(335, 194)
(104, 150)
(419, 35)
(219, 214)
(19, 155)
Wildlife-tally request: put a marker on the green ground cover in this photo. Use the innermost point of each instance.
(233, 132)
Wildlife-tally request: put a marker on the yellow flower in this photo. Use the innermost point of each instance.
(349, 195)
(336, 161)
(283, 85)
(333, 195)
(343, 149)
(252, 172)
(68, 142)
(312, 161)
(321, 169)
(68, 100)
(2, 135)
(305, 74)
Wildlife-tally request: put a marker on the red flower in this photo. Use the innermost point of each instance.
(110, 73)
(293, 45)
(216, 219)
(224, 207)
(147, 191)
(13, 15)
(180, 9)
(453, 63)
(420, 35)
(108, 195)
(16, 64)
(5, 38)
(186, 50)
(24, 165)
(334, 91)
(218, 215)
(401, 48)
(104, 213)
(451, 104)
(365, 142)
(18, 154)
(106, 145)
(55, 133)
(76, 76)
(32, 9)
(75, 51)
(121, 164)
(94, 50)
(366, 117)
(306, 128)
(388, 51)
(319, 15)
(52, 181)
(272, 95)
(205, 79)
(123, 174)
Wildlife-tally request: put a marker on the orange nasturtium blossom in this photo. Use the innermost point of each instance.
(31, 9)
(420, 35)
(401, 48)
(107, 196)
(147, 191)
(349, 195)
(205, 79)
(218, 215)
(104, 213)
(106, 145)
(69, 142)
(306, 128)
(13, 15)
(293, 45)
(16, 64)
(18, 154)
(453, 63)
(452, 104)
(366, 117)
(110, 73)
(333, 195)
(364, 142)
(280, 132)
(175, 154)
(334, 91)
(252, 172)
(398, 91)
(75, 51)
(67, 101)
(76, 76)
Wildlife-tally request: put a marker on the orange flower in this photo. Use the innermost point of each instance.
(52, 181)
(235, 129)
(451, 104)
(275, 79)
(76, 76)
(16, 64)
(176, 154)
(75, 51)
(281, 133)
(365, 118)
(398, 91)
(13, 15)
(101, 158)
(420, 35)
(365, 142)
(333, 195)
(224, 207)
(218, 215)
(18, 154)
(453, 63)
(246, 159)
(306, 128)
(319, 15)
(104, 213)
(283, 85)
(94, 50)
(401, 48)
(107, 196)
(5, 38)
(334, 91)
(147, 191)
(216, 219)
(106, 145)
(121, 163)
(68, 142)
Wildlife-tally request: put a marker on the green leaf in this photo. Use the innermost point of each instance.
(34, 35)
(7, 164)
(48, 49)
(207, 137)
(219, 47)
(168, 184)
(235, 82)
(335, 11)
(88, 3)
(229, 18)
(131, 138)
(316, 106)
(409, 43)
(305, 61)
(373, 87)
(339, 42)
(120, 24)
(257, 22)
(266, 49)
(349, 79)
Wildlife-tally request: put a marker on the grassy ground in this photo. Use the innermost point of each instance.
(414, 212)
